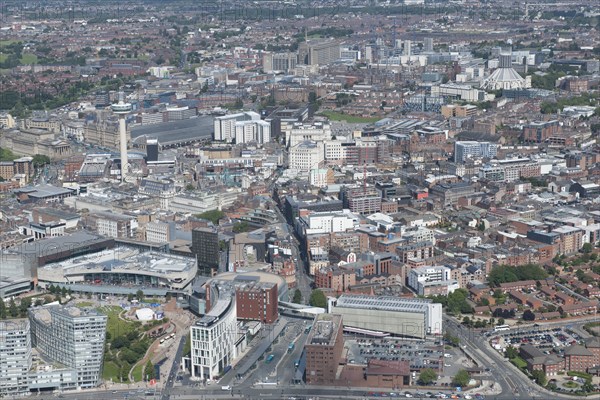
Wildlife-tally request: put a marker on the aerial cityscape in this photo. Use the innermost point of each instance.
(302, 200)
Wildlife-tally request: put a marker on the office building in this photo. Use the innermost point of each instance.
(256, 301)
(540, 131)
(152, 150)
(306, 156)
(15, 357)
(73, 337)
(205, 246)
(428, 281)
(395, 315)
(214, 335)
(469, 150)
(323, 348)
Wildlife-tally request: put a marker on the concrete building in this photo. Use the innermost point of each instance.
(252, 131)
(15, 357)
(306, 156)
(73, 337)
(327, 222)
(398, 316)
(214, 335)
(225, 126)
(469, 150)
(428, 281)
(279, 62)
(318, 52)
(323, 348)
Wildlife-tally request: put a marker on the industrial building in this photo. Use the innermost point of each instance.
(395, 315)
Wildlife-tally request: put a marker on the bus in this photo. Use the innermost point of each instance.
(308, 329)
(162, 341)
(270, 358)
(500, 328)
(291, 347)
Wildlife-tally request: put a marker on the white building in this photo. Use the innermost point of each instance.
(421, 278)
(320, 177)
(306, 156)
(334, 151)
(299, 133)
(327, 222)
(469, 150)
(225, 125)
(252, 131)
(213, 337)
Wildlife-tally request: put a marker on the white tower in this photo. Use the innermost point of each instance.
(122, 109)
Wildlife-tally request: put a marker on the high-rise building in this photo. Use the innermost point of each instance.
(15, 357)
(225, 125)
(73, 337)
(428, 45)
(214, 335)
(252, 131)
(306, 156)
(205, 245)
(324, 347)
(257, 301)
(152, 149)
(318, 52)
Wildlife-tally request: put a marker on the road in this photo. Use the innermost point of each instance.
(511, 380)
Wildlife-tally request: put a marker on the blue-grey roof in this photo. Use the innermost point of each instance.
(177, 131)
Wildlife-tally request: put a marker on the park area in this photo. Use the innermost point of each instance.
(127, 343)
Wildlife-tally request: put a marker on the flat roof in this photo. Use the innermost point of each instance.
(387, 303)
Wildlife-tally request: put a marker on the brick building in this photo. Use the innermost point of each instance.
(324, 347)
(257, 301)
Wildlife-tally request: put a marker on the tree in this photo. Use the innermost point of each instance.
(124, 372)
(427, 376)
(297, 296)
(539, 376)
(40, 160)
(466, 321)
(500, 321)
(130, 297)
(2, 309)
(461, 378)
(452, 340)
(13, 311)
(528, 315)
(25, 304)
(587, 248)
(511, 352)
(149, 371)
(239, 104)
(317, 299)
(139, 295)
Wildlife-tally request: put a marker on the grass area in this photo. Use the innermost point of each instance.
(3, 57)
(8, 42)
(351, 119)
(84, 304)
(28, 59)
(519, 362)
(116, 326)
(110, 371)
(570, 384)
(137, 372)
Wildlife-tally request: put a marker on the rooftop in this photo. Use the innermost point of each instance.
(388, 303)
